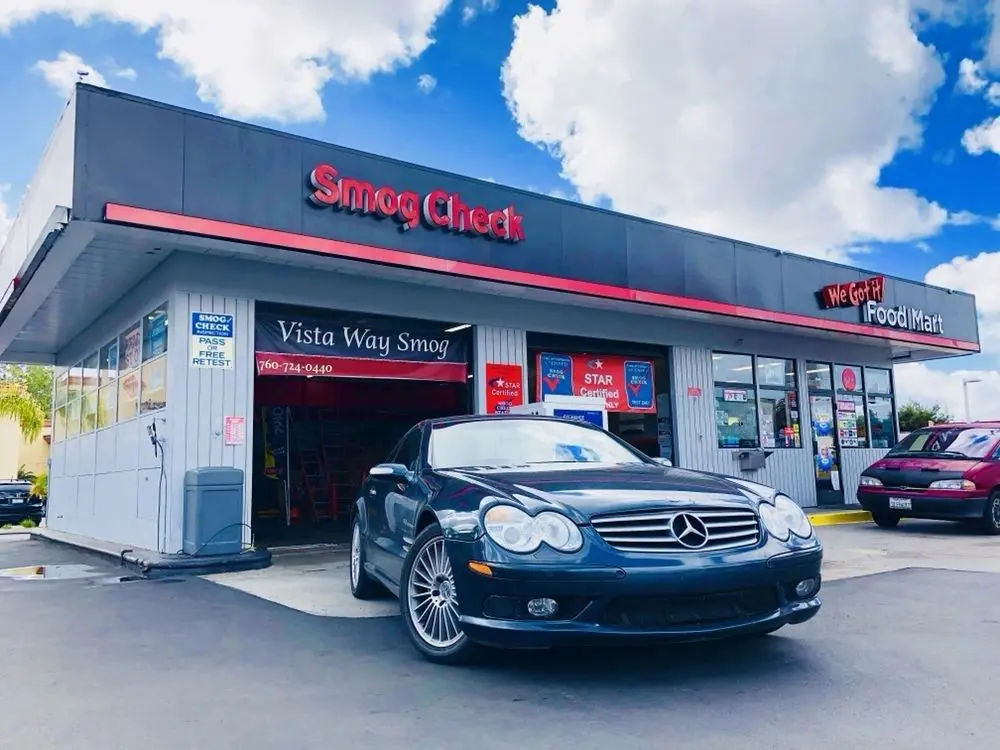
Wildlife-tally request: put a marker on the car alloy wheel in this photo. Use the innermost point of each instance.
(431, 596)
(429, 602)
(362, 586)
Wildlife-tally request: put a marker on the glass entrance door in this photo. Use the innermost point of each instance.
(826, 450)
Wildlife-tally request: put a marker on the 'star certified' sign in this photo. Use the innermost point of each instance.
(438, 209)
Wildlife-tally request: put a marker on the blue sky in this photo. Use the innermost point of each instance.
(568, 65)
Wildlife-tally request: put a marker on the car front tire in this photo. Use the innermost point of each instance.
(362, 586)
(429, 604)
(886, 520)
(991, 516)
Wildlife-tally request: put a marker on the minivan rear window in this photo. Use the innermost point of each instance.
(960, 442)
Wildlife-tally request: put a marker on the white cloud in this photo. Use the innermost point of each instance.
(426, 83)
(978, 275)
(970, 79)
(983, 137)
(68, 68)
(474, 7)
(927, 386)
(129, 74)
(683, 112)
(6, 215)
(251, 59)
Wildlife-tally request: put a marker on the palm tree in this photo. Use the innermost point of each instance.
(24, 475)
(17, 404)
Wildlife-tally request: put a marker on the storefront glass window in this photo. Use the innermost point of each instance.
(75, 387)
(778, 403)
(154, 385)
(878, 380)
(61, 377)
(107, 406)
(154, 333)
(849, 401)
(129, 349)
(736, 417)
(128, 396)
(109, 361)
(59, 425)
(883, 425)
(818, 376)
(90, 372)
(73, 418)
(732, 368)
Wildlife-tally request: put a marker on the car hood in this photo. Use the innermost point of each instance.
(926, 464)
(584, 491)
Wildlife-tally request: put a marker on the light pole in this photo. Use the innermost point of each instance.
(965, 394)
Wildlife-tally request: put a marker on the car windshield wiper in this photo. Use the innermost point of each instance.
(931, 454)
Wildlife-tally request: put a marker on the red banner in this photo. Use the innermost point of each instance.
(625, 383)
(504, 387)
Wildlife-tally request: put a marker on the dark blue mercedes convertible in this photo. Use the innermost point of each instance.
(533, 532)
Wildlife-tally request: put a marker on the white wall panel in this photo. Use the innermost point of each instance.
(204, 397)
(506, 346)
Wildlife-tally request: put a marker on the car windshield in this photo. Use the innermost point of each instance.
(517, 442)
(957, 442)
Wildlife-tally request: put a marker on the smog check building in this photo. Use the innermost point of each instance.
(289, 308)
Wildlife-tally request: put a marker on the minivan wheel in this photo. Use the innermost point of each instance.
(886, 520)
(991, 516)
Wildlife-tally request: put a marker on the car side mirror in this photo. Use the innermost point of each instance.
(390, 471)
(664, 461)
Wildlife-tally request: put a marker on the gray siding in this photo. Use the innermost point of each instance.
(203, 398)
(106, 484)
(500, 346)
(853, 461)
(788, 469)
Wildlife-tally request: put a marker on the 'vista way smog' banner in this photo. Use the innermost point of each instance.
(338, 346)
(625, 384)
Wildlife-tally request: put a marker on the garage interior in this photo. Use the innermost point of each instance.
(316, 437)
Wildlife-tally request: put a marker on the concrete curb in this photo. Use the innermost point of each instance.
(153, 564)
(838, 517)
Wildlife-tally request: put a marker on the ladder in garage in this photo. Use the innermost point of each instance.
(317, 486)
(337, 449)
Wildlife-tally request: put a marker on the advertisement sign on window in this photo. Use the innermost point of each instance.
(503, 387)
(625, 384)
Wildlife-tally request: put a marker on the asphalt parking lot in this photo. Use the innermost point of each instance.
(897, 659)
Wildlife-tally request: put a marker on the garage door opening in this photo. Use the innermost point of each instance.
(334, 392)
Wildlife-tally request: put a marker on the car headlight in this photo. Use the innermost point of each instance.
(516, 531)
(870, 482)
(953, 484)
(784, 518)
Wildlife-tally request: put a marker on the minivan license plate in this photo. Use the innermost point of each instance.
(900, 503)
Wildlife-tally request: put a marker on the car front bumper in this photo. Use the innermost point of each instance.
(929, 505)
(647, 602)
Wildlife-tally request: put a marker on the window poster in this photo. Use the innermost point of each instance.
(129, 348)
(767, 424)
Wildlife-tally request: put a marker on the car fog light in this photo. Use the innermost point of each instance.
(806, 587)
(542, 607)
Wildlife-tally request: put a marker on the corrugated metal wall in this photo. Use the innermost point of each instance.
(508, 346)
(790, 470)
(200, 399)
(852, 463)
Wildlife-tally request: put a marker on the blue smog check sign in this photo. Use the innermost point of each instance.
(212, 341)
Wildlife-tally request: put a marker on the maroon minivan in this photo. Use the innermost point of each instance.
(947, 472)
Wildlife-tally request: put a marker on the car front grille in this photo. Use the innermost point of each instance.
(666, 611)
(656, 531)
